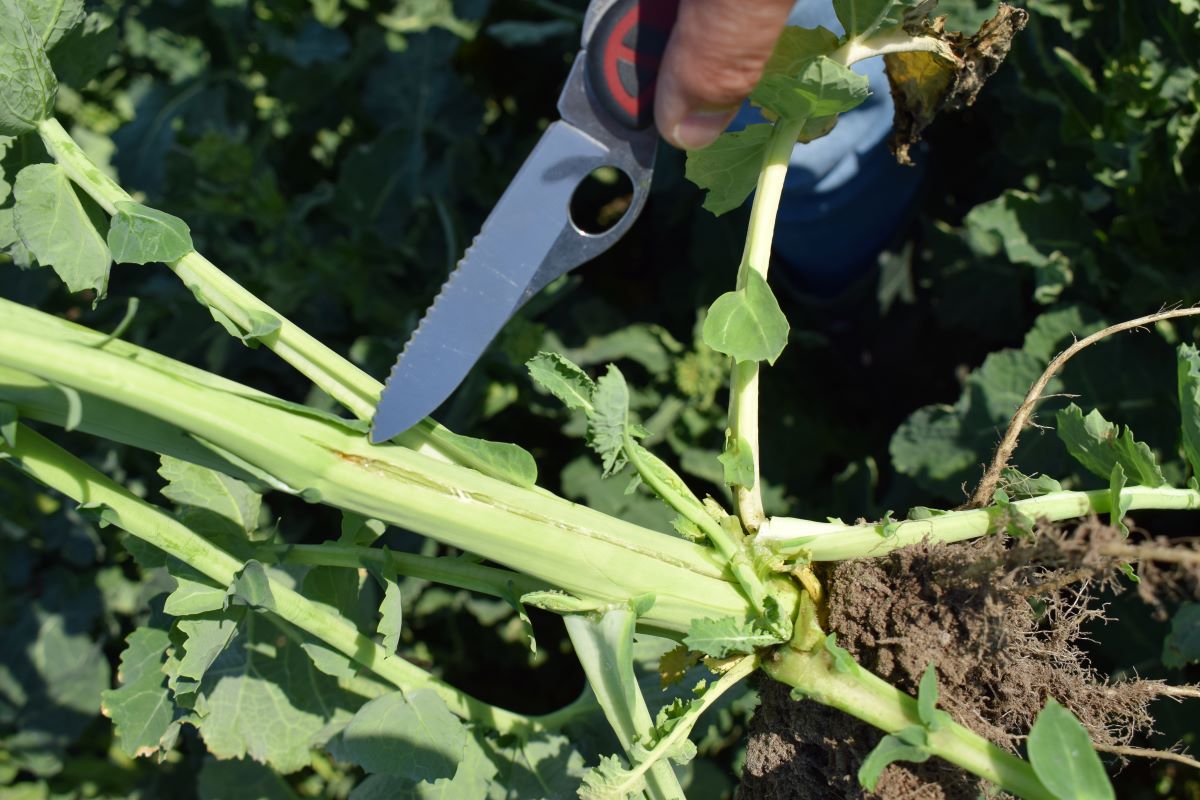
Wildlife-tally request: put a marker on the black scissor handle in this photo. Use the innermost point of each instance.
(623, 57)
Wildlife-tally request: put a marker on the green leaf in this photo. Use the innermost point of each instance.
(1095, 443)
(262, 697)
(611, 779)
(51, 19)
(391, 615)
(252, 587)
(737, 462)
(8, 424)
(204, 640)
(1181, 647)
(729, 167)
(57, 229)
(842, 660)
(609, 420)
(1062, 756)
(259, 325)
(194, 593)
(820, 88)
(1118, 505)
(472, 780)
(747, 324)
(508, 462)
(83, 51)
(722, 637)
(141, 709)
(240, 779)
(861, 18)
(141, 235)
(564, 380)
(890, 749)
(212, 503)
(409, 735)
(1189, 403)
(546, 765)
(340, 590)
(796, 47)
(27, 84)
(927, 697)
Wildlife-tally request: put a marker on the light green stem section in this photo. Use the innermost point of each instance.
(456, 572)
(59, 470)
(743, 393)
(333, 374)
(171, 408)
(820, 541)
(876, 702)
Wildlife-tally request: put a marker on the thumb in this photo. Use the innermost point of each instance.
(714, 58)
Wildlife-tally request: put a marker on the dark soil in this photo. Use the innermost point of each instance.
(1000, 618)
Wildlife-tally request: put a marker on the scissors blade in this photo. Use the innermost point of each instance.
(527, 241)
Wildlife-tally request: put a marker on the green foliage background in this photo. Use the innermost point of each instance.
(337, 157)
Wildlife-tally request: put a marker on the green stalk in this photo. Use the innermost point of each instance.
(59, 470)
(333, 374)
(820, 541)
(456, 572)
(743, 393)
(876, 702)
(569, 546)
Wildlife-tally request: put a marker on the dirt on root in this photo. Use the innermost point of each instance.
(1000, 618)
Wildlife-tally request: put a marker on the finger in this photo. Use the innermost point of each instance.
(713, 60)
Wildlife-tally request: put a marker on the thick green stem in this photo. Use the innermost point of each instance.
(819, 541)
(876, 702)
(743, 393)
(575, 548)
(456, 572)
(59, 470)
(333, 374)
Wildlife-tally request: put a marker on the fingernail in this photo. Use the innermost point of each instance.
(699, 128)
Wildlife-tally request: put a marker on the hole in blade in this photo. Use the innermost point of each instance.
(601, 200)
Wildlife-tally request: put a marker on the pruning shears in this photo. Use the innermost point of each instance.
(529, 239)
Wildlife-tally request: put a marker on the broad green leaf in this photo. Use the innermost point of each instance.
(252, 587)
(797, 47)
(729, 167)
(391, 615)
(411, 735)
(27, 84)
(1189, 403)
(57, 229)
(341, 591)
(890, 749)
(609, 420)
(564, 380)
(722, 637)
(263, 698)
(230, 503)
(861, 18)
(51, 19)
(1062, 756)
(1099, 444)
(508, 462)
(471, 781)
(747, 324)
(204, 640)
(141, 709)
(193, 594)
(821, 88)
(141, 235)
(83, 51)
(737, 462)
(546, 765)
(1181, 647)
(240, 779)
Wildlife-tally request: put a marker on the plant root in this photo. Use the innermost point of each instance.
(1000, 618)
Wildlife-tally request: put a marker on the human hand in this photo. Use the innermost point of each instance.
(712, 62)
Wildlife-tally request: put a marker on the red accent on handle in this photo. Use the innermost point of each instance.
(624, 57)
